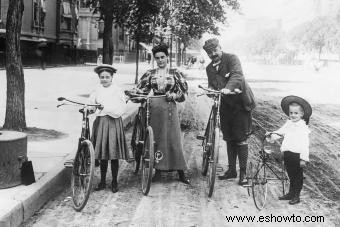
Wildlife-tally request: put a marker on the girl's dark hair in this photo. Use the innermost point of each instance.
(160, 48)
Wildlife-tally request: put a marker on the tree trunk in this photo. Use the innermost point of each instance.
(15, 104)
(107, 35)
(137, 49)
(137, 60)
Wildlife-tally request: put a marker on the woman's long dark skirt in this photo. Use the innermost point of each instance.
(165, 123)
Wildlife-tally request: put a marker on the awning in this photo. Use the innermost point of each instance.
(147, 47)
(191, 51)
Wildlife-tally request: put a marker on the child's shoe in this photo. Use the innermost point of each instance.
(295, 200)
(288, 196)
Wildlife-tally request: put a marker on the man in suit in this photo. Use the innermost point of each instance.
(225, 74)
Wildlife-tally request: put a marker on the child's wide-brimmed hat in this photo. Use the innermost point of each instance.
(286, 101)
(105, 67)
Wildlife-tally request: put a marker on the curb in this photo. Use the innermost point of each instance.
(49, 186)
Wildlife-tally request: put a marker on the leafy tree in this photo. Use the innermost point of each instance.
(267, 43)
(15, 105)
(136, 15)
(140, 21)
(110, 11)
(317, 35)
(190, 19)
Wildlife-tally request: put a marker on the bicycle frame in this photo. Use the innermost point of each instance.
(144, 109)
(214, 117)
(83, 163)
(85, 129)
(264, 163)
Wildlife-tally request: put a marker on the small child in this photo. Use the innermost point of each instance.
(295, 145)
(108, 136)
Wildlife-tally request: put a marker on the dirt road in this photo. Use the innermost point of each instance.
(171, 203)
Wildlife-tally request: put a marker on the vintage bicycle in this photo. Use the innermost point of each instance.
(268, 168)
(142, 141)
(211, 138)
(84, 162)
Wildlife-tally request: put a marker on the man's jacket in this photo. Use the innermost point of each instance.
(229, 75)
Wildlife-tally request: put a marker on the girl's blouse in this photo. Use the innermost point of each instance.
(112, 98)
(162, 82)
(296, 138)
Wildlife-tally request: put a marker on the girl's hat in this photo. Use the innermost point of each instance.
(105, 67)
(286, 101)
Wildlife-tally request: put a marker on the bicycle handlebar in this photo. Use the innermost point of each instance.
(78, 103)
(272, 133)
(235, 92)
(143, 97)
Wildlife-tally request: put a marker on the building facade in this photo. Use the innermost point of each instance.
(54, 22)
(72, 33)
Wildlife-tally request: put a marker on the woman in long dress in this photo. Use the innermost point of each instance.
(164, 118)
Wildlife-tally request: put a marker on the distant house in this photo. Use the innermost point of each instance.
(53, 21)
(72, 33)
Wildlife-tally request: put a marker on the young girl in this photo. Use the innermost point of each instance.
(295, 145)
(108, 136)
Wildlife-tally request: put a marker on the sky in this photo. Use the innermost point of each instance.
(289, 13)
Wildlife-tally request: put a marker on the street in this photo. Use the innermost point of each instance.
(171, 203)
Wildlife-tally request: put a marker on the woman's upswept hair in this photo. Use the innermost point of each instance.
(160, 48)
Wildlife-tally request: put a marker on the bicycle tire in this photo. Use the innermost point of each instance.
(213, 161)
(260, 186)
(137, 136)
(249, 178)
(147, 160)
(82, 175)
(284, 180)
(207, 147)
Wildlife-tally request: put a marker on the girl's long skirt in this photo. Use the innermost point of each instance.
(108, 139)
(167, 134)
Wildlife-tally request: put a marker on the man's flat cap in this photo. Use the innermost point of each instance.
(211, 44)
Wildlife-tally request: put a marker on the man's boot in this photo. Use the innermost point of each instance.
(103, 170)
(243, 180)
(232, 155)
(242, 151)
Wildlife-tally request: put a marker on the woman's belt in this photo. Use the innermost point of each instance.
(158, 93)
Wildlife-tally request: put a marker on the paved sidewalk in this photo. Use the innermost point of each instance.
(19, 203)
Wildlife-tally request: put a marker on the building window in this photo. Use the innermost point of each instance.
(66, 16)
(84, 3)
(39, 14)
(100, 29)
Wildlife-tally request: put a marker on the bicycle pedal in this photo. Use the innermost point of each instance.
(199, 137)
(68, 164)
(219, 168)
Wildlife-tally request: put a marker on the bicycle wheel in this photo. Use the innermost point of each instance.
(213, 159)
(82, 175)
(207, 147)
(147, 160)
(284, 180)
(249, 177)
(260, 186)
(136, 142)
